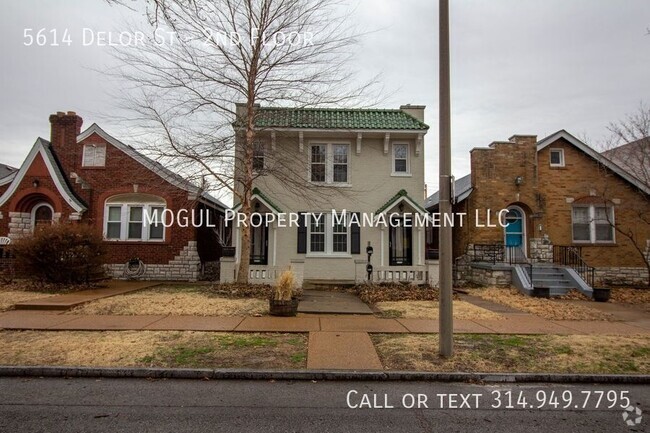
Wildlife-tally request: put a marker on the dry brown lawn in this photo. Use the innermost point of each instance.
(429, 310)
(153, 349)
(12, 294)
(517, 353)
(175, 301)
(552, 309)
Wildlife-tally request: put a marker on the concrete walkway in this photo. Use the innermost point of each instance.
(71, 300)
(511, 324)
(328, 302)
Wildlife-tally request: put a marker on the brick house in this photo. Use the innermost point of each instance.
(561, 197)
(91, 177)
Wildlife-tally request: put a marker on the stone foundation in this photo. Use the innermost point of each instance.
(185, 266)
(617, 276)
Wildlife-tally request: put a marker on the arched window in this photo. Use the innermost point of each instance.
(42, 215)
(134, 217)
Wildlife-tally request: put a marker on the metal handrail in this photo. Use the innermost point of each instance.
(569, 255)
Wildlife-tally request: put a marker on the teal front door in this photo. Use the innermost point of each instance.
(515, 232)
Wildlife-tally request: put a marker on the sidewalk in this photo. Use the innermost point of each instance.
(511, 324)
(71, 300)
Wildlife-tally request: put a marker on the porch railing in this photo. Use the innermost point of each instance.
(399, 274)
(571, 256)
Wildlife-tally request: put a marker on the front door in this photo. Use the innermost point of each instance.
(260, 244)
(400, 241)
(515, 232)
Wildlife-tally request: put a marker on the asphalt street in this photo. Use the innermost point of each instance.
(138, 405)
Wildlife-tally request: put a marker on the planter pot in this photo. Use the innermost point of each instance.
(541, 292)
(283, 308)
(228, 251)
(601, 294)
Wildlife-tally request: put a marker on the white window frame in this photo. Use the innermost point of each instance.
(84, 160)
(329, 162)
(125, 213)
(550, 158)
(329, 237)
(592, 225)
(256, 148)
(406, 173)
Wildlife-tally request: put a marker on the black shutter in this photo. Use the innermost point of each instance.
(355, 233)
(302, 233)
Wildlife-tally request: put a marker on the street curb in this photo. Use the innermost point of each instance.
(321, 375)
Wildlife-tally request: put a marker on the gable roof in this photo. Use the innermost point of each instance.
(595, 155)
(633, 157)
(7, 173)
(259, 195)
(151, 164)
(401, 195)
(462, 189)
(44, 148)
(337, 118)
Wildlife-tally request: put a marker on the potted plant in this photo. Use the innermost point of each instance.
(601, 294)
(282, 301)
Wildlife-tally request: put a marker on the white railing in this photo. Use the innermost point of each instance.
(260, 274)
(415, 275)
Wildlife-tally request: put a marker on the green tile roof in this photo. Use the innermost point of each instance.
(337, 118)
(401, 193)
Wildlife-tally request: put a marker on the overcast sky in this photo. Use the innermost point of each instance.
(518, 67)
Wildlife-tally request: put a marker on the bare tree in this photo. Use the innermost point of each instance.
(202, 56)
(628, 146)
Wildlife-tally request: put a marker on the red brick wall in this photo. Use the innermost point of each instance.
(121, 174)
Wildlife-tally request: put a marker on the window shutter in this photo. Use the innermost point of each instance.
(302, 233)
(355, 233)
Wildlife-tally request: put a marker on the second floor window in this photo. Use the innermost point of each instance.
(328, 163)
(401, 159)
(258, 157)
(94, 155)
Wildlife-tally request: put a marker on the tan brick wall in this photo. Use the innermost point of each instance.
(546, 195)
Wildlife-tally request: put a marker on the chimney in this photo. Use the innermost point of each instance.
(416, 111)
(530, 140)
(65, 127)
(241, 111)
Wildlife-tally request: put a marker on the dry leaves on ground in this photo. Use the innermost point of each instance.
(162, 301)
(429, 310)
(383, 292)
(552, 309)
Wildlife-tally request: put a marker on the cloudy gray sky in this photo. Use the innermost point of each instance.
(518, 66)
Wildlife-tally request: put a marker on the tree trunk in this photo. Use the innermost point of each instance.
(244, 258)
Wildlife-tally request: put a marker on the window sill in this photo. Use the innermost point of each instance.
(334, 184)
(401, 175)
(135, 242)
(556, 167)
(328, 256)
(594, 244)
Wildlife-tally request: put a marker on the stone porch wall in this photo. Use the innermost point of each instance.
(186, 266)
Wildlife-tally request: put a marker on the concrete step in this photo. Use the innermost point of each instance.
(326, 284)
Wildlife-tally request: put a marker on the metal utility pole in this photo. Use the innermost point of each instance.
(446, 308)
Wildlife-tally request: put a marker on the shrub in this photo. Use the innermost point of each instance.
(284, 286)
(61, 254)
